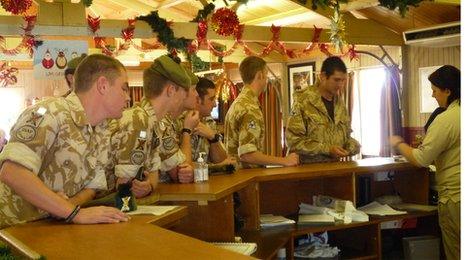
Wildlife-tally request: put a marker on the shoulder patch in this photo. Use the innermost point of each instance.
(26, 133)
(252, 124)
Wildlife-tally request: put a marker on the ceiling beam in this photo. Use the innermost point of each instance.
(359, 31)
(277, 16)
(112, 28)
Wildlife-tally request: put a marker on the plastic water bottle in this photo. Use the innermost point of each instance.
(201, 169)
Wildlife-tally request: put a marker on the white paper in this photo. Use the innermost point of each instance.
(375, 208)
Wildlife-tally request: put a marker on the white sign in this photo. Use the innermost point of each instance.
(428, 103)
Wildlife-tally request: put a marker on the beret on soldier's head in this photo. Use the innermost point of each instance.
(73, 63)
(192, 76)
(166, 67)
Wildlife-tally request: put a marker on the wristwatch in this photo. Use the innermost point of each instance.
(217, 137)
(186, 130)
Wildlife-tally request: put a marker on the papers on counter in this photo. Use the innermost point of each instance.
(269, 220)
(375, 208)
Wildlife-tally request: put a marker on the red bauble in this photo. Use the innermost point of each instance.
(225, 22)
(16, 6)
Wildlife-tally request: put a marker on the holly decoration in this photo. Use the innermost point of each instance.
(225, 22)
(202, 14)
(16, 6)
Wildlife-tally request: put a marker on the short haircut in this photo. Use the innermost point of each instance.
(203, 85)
(153, 83)
(332, 64)
(94, 66)
(448, 77)
(249, 67)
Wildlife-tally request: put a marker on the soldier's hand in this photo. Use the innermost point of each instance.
(204, 131)
(291, 160)
(185, 173)
(174, 174)
(100, 215)
(141, 189)
(191, 120)
(228, 160)
(337, 152)
(63, 195)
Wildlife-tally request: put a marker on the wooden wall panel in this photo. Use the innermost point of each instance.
(415, 58)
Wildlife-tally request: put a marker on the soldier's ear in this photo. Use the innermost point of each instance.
(102, 84)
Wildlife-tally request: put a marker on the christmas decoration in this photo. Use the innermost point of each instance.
(337, 29)
(225, 88)
(225, 22)
(8, 75)
(202, 14)
(29, 41)
(165, 34)
(16, 6)
(87, 3)
(402, 5)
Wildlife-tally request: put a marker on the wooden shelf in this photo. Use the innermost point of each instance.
(268, 241)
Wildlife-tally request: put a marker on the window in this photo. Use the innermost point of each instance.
(366, 110)
(11, 100)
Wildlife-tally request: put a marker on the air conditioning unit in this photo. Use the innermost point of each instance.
(442, 35)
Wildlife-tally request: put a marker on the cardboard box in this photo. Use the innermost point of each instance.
(421, 247)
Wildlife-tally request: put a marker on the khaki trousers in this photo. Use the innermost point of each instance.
(449, 220)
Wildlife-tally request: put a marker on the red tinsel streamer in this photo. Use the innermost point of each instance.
(201, 34)
(93, 23)
(225, 22)
(28, 41)
(16, 6)
(8, 75)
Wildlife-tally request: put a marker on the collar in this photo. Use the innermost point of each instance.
(76, 109)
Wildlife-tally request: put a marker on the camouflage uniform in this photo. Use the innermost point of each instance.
(54, 140)
(170, 152)
(244, 126)
(135, 142)
(312, 132)
(201, 144)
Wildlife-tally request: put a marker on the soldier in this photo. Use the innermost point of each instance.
(59, 147)
(176, 139)
(139, 133)
(244, 122)
(205, 138)
(319, 126)
(69, 72)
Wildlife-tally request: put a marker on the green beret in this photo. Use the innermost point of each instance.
(73, 63)
(171, 70)
(192, 76)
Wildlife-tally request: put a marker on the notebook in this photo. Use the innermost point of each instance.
(241, 248)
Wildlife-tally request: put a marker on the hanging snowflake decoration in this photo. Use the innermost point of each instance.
(16, 6)
(337, 30)
(8, 75)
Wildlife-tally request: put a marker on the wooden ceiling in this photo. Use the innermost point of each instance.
(281, 12)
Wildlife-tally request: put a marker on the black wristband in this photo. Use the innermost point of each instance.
(73, 214)
(186, 130)
(216, 138)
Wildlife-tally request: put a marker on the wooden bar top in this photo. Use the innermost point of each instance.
(219, 186)
(135, 239)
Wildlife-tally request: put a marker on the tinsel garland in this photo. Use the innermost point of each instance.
(225, 22)
(87, 3)
(202, 14)
(165, 34)
(16, 6)
(29, 41)
(402, 5)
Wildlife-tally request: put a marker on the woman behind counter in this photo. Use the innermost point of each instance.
(442, 146)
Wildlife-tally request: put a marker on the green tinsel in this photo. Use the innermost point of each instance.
(402, 5)
(87, 3)
(202, 14)
(198, 64)
(165, 34)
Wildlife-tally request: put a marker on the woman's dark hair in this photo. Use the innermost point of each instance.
(448, 77)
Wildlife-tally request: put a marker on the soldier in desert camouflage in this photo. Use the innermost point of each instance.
(58, 150)
(244, 122)
(319, 126)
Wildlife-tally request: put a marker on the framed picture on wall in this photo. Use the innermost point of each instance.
(300, 76)
(428, 103)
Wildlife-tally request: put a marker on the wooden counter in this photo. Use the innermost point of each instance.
(138, 238)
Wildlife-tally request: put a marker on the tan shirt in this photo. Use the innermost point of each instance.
(135, 141)
(312, 132)
(244, 126)
(54, 140)
(170, 152)
(442, 144)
